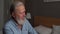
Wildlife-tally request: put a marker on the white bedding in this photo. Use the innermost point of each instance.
(56, 29)
(43, 30)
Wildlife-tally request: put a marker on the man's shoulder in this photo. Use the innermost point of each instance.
(8, 23)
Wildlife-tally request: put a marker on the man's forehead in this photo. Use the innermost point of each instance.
(20, 9)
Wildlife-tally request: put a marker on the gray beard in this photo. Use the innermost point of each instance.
(20, 21)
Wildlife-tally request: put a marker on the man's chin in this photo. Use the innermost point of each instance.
(21, 22)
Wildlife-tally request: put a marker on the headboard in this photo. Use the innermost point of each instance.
(46, 21)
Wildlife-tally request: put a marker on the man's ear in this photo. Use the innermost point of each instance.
(13, 14)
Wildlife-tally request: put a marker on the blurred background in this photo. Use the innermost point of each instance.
(49, 8)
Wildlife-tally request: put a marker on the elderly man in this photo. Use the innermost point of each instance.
(18, 24)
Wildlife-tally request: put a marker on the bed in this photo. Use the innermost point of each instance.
(45, 22)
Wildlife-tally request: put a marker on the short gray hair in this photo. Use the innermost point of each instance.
(13, 5)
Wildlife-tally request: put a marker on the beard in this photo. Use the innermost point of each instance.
(20, 21)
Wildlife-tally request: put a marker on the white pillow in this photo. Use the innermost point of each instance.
(43, 30)
(56, 29)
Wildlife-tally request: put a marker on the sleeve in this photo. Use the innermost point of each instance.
(31, 29)
(7, 30)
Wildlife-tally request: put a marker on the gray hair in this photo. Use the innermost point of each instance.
(18, 3)
(15, 4)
